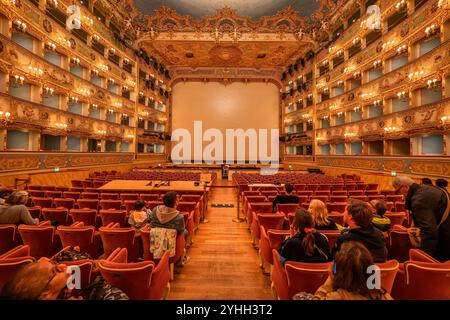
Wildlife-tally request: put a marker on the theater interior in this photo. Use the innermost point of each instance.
(238, 107)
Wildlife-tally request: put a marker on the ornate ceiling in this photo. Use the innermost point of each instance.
(259, 34)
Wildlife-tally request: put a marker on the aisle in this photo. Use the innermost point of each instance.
(224, 264)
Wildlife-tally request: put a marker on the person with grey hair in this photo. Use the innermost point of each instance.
(14, 210)
(429, 207)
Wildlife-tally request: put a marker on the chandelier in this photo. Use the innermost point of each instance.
(5, 119)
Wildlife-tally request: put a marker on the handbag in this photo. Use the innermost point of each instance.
(414, 232)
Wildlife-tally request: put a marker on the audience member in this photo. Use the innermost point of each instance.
(358, 217)
(379, 220)
(139, 217)
(427, 182)
(305, 243)
(319, 211)
(443, 184)
(349, 276)
(14, 211)
(287, 198)
(429, 208)
(167, 216)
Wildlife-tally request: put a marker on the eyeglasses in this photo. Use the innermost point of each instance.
(56, 269)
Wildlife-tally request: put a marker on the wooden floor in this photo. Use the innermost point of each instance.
(224, 264)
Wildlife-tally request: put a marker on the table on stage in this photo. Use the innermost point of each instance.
(148, 185)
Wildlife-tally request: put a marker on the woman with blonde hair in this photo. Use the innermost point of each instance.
(14, 210)
(319, 211)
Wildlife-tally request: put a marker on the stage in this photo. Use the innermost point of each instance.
(150, 186)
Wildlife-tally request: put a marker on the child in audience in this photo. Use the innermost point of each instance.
(305, 243)
(319, 211)
(349, 276)
(139, 217)
(379, 220)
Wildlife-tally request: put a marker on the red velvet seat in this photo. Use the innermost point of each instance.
(332, 236)
(342, 199)
(149, 197)
(48, 188)
(87, 216)
(34, 187)
(109, 196)
(152, 204)
(84, 237)
(12, 261)
(77, 183)
(305, 277)
(71, 195)
(8, 238)
(87, 204)
(62, 189)
(276, 237)
(113, 238)
(113, 216)
(396, 217)
(299, 187)
(60, 216)
(399, 244)
(342, 193)
(64, 203)
(353, 193)
(41, 239)
(134, 279)
(399, 206)
(287, 208)
(279, 278)
(265, 252)
(388, 271)
(88, 195)
(111, 204)
(338, 207)
(129, 196)
(395, 198)
(371, 197)
(338, 188)
(42, 202)
(35, 212)
(53, 194)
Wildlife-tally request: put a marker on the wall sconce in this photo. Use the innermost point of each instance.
(36, 71)
(391, 129)
(110, 111)
(48, 91)
(445, 119)
(112, 51)
(85, 92)
(61, 126)
(74, 99)
(320, 139)
(400, 6)
(111, 81)
(377, 64)
(334, 107)
(130, 136)
(325, 63)
(5, 119)
(340, 114)
(75, 61)
(104, 67)
(350, 134)
(94, 106)
(325, 117)
(124, 115)
(432, 30)
(126, 61)
(356, 41)
(402, 49)
(377, 103)
(401, 95)
(357, 75)
(52, 3)
(101, 132)
(326, 90)
(416, 75)
(88, 20)
(133, 83)
(388, 44)
(433, 84)
(50, 46)
(125, 88)
(331, 49)
(340, 53)
(118, 104)
(96, 38)
(443, 4)
(20, 25)
(340, 83)
(141, 94)
(94, 72)
(19, 79)
(356, 109)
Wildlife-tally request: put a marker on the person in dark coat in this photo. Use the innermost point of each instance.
(443, 184)
(288, 198)
(358, 216)
(428, 206)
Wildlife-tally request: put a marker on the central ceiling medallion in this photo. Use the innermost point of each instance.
(225, 55)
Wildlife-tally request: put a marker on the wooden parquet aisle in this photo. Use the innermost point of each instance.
(224, 264)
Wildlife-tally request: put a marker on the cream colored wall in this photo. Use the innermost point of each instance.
(232, 106)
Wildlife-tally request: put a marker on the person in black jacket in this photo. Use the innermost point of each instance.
(428, 206)
(305, 243)
(288, 198)
(443, 184)
(358, 216)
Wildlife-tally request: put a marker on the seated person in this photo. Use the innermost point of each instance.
(427, 181)
(319, 211)
(288, 198)
(47, 280)
(379, 220)
(305, 243)
(348, 279)
(139, 217)
(443, 184)
(358, 217)
(167, 216)
(14, 211)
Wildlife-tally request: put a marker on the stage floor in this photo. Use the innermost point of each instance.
(148, 185)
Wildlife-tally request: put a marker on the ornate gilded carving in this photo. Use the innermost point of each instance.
(55, 162)
(394, 165)
(47, 26)
(19, 163)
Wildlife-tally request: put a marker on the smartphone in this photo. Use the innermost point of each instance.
(334, 267)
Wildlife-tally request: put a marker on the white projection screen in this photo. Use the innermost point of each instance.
(233, 106)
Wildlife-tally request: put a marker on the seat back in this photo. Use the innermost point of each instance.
(53, 194)
(60, 216)
(43, 202)
(279, 278)
(41, 240)
(186, 206)
(145, 236)
(64, 203)
(332, 236)
(191, 198)
(149, 197)
(87, 216)
(305, 277)
(264, 246)
(71, 195)
(254, 199)
(396, 218)
(9, 266)
(427, 281)
(82, 237)
(87, 204)
(7, 237)
(261, 207)
(336, 207)
(113, 238)
(129, 196)
(113, 216)
(109, 196)
(111, 204)
(134, 279)
(399, 244)
(287, 208)
(276, 237)
(271, 220)
(89, 195)
(160, 278)
(388, 270)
